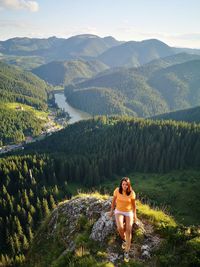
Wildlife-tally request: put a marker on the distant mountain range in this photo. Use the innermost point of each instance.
(107, 76)
(87, 46)
(135, 53)
(81, 46)
(155, 88)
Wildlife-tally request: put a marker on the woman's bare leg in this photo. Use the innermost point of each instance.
(119, 218)
(124, 223)
(129, 224)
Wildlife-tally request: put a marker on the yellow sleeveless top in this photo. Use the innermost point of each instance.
(123, 202)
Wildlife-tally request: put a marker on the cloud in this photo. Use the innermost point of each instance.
(20, 4)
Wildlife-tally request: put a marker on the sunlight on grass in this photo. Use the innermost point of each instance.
(81, 251)
(156, 216)
(39, 114)
(195, 243)
(95, 194)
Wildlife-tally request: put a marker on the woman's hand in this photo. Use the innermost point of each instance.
(135, 219)
(111, 213)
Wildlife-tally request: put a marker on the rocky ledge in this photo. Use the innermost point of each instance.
(82, 223)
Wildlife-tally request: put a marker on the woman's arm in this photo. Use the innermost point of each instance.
(113, 206)
(133, 201)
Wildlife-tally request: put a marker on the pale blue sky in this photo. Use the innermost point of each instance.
(176, 22)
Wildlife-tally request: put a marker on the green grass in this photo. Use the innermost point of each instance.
(179, 248)
(176, 193)
(39, 114)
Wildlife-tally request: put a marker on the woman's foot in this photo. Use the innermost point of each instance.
(126, 256)
(123, 244)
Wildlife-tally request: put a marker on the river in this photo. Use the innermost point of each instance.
(75, 114)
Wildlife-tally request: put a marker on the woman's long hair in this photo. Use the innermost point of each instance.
(129, 189)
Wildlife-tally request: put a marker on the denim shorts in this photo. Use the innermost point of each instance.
(125, 213)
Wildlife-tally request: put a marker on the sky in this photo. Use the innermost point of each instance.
(175, 22)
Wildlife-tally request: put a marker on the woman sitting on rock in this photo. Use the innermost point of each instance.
(125, 211)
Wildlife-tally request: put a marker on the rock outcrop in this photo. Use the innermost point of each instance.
(71, 219)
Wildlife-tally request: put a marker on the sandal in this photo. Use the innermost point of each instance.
(126, 256)
(123, 244)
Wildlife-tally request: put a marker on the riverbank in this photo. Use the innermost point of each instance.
(54, 122)
(75, 114)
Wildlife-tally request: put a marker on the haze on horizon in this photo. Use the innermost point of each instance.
(173, 22)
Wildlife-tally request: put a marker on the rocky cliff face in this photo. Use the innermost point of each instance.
(80, 229)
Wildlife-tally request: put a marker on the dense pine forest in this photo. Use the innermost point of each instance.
(16, 124)
(88, 152)
(22, 96)
(21, 86)
(136, 144)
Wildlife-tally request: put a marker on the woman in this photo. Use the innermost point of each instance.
(124, 199)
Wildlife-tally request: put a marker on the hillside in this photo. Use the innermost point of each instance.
(179, 84)
(189, 115)
(89, 154)
(53, 48)
(93, 240)
(18, 121)
(136, 96)
(99, 101)
(21, 86)
(132, 137)
(67, 72)
(135, 53)
(22, 96)
(24, 62)
(155, 88)
(149, 68)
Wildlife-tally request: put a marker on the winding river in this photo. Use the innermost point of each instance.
(75, 114)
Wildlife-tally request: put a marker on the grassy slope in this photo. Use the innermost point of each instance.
(28, 121)
(38, 113)
(175, 192)
(47, 251)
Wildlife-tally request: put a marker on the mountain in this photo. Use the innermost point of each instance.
(133, 92)
(29, 46)
(22, 86)
(24, 62)
(52, 49)
(21, 93)
(110, 51)
(193, 51)
(135, 53)
(178, 84)
(67, 72)
(149, 68)
(101, 101)
(189, 115)
(146, 91)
